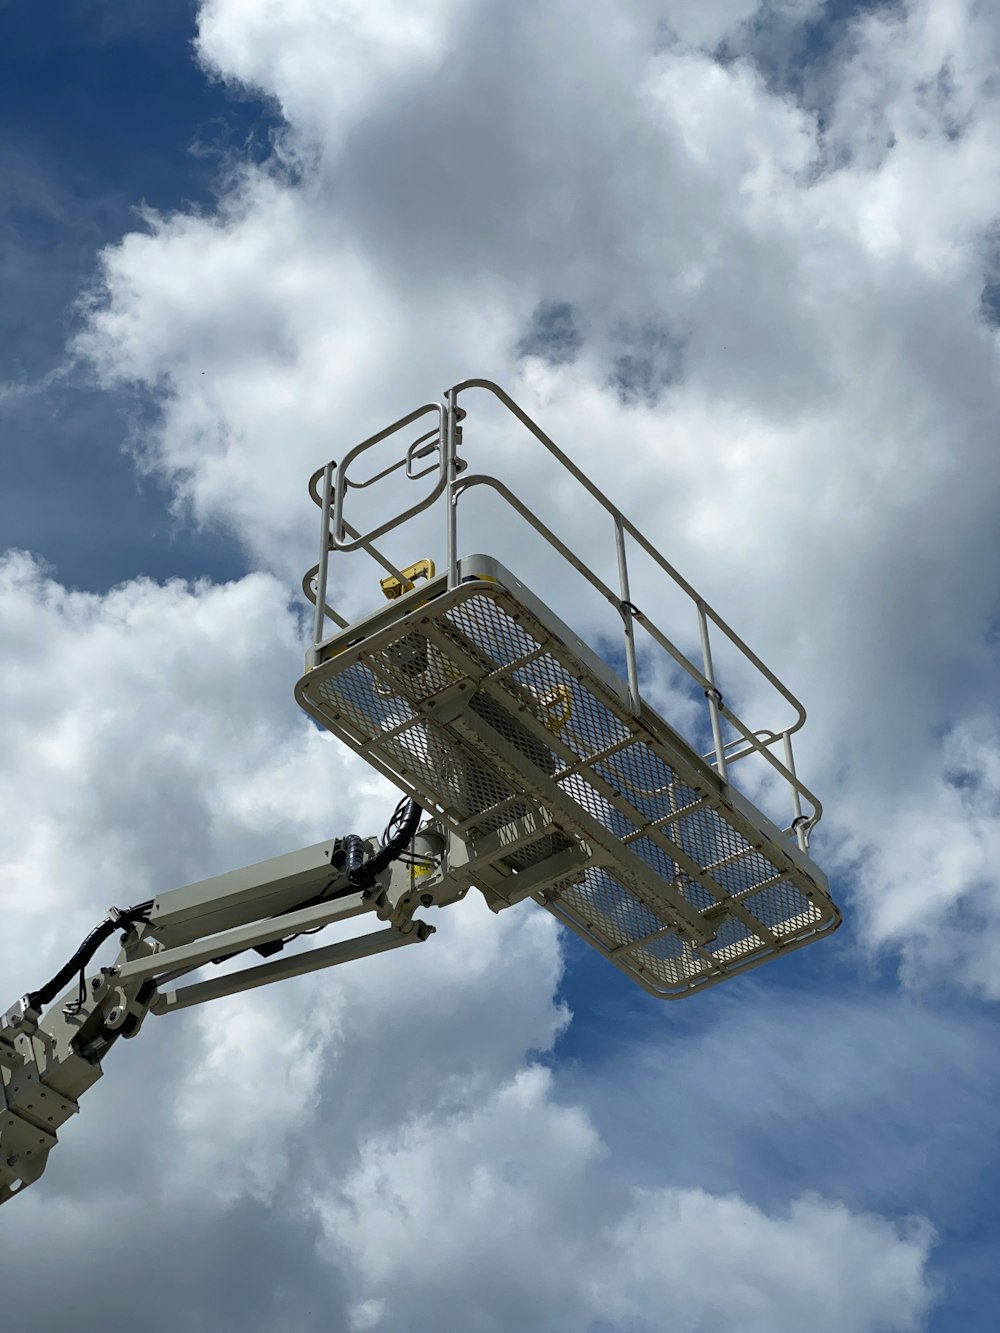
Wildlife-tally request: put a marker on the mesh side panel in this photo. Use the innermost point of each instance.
(743, 874)
(414, 658)
(415, 752)
(480, 625)
(664, 949)
(577, 786)
(781, 907)
(655, 856)
(505, 722)
(581, 720)
(668, 961)
(659, 860)
(705, 837)
(523, 726)
(735, 940)
(611, 913)
(603, 905)
(592, 728)
(367, 704)
(647, 780)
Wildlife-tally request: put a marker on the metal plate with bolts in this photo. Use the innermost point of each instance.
(484, 706)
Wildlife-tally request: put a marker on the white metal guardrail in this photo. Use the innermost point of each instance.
(435, 452)
(553, 772)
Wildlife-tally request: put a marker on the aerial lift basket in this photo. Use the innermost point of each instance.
(559, 779)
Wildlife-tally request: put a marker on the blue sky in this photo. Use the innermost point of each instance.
(103, 113)
(738, 261)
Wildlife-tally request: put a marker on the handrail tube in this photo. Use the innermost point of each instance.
(376, 555)
(731, 717)
(711, 694)
(403, 462)
(345, 537)
(772, 738)
(341, 545)
(480, 479)
(413, 452)
(630, 527)
(451, 479)
(310, 596)
(379, 436)
(790, 777)
(314, 481)
(720, 624)
(376, 476)
(626, 611)
(324, 557)
(342, 482)
(799, 823)
(368, 545)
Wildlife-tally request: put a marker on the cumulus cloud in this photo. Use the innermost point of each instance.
(940, 873)
(151, 717)
(326, 64)
(503, 1218)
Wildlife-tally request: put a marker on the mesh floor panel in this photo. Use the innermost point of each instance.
(486, 714)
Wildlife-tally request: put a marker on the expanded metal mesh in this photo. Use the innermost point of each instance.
(489, 716)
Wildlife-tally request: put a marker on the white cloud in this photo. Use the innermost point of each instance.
(325, 64)
(819, 1265)
(504, 1217)
(151, 739)
(938, 874)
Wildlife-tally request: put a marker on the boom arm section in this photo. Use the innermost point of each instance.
(50, 1056)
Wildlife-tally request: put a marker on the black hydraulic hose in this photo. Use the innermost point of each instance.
(354, 855)
(361, 875)
(392, 849)
(38, 999)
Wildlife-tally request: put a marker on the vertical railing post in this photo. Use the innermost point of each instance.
(322, 574)
(712, 694)
(799, 822)
(451, 472)
(626, 610)
(338, 504)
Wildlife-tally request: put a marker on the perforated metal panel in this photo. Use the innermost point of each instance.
(486, 709)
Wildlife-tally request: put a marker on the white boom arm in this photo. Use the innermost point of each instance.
(50, 1054)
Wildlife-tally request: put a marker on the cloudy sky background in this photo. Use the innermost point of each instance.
(741, 260)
